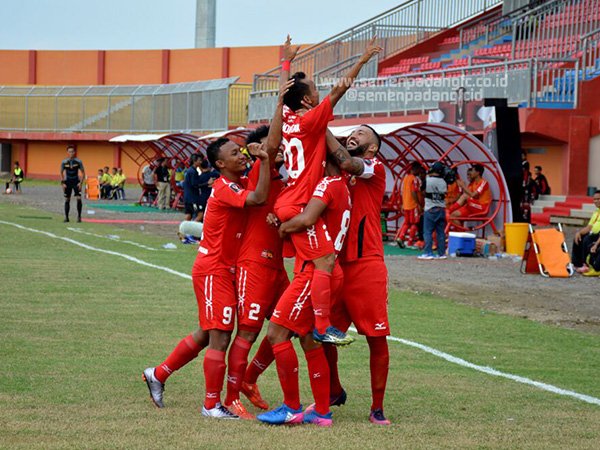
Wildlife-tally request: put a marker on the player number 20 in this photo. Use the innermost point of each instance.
(293, 155)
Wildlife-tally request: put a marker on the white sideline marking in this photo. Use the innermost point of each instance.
(114, 239)
(425, 348)
(100, 250)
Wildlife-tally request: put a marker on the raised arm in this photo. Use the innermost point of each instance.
(347, 163)
(274, 137)
(338, 91)
(259, 195)
(305, 219)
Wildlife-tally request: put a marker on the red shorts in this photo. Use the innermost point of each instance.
(364, 298)
(411, 216)
(215, 295)
(258, 289)
(294, 309)
(471, 208)
(312, 243)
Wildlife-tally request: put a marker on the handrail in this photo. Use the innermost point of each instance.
(405, 18)
(590, 34)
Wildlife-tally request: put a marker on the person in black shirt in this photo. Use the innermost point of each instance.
(162, 179)
(191, 191)
(207, 178)
(542, 186)
(71, 182)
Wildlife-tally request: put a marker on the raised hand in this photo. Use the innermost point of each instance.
(289, 52)
(284, 88)
(258, 150)
(371, 50)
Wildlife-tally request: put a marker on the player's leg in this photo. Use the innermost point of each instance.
(67, 188)
(215, 367)
(321, 291)
(79, 202)
(318, 372)
(185, 351)
(379, 363)
(237, 361)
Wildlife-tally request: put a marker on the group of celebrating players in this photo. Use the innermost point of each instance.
(327, 215)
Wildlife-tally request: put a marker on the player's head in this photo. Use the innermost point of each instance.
(204, 165)
(16, 163)
(120, 170)
(225, 156)
(100, 172)
(363, 141)
(71, 151)
(259, 136)
(195, 160)
(537, 170)
(105, 169)
(415, 168)
(114, 170)
(331, 168)
(475, 172)
(303, 90)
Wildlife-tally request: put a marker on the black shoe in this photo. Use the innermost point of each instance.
(79, 220)
(66, 220)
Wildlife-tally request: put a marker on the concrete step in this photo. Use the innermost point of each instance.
(589, 207)
(552, 198)
(582, 213)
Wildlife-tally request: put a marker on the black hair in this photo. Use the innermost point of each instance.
(478, 168)
(295, 94)
(526, 166)
(204, 164)
(415, 165)
(212, 151)
(17, 163)
(539, 168)
(194, 158)
(256, 135)
(597, 192)
(377, 137)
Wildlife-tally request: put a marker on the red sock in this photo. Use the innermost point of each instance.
(237, 361)
(262, 359)
(335, 386)
(318, 372)
(380, 364)
(186, 350)
(287, 370)
(403, 230)
(214, 374)
(320, 293)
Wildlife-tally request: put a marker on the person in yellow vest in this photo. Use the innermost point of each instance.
(17, 178)
(118, 184)
(586, 245)
(105, 184)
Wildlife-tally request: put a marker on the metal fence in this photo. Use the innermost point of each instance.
(196, 106)
(239, 96)
(408, 24)
(524, 83)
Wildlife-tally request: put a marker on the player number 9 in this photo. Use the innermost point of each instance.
(227, 315)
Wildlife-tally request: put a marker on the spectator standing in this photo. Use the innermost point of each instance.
(191, 191)
(17, 178)
(105, 183)
(542, 186)
(434, 218)
(528, 193)
(207, 178)
(161, 179)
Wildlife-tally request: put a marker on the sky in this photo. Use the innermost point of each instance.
(170, 24)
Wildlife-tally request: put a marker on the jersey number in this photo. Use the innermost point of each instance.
(293, 155)
(339, 240)
(254, 310)
(227, 315)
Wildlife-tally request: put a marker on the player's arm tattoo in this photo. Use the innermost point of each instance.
(346, 162)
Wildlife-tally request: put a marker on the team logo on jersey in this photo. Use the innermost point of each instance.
(267, 254)
(235, 187)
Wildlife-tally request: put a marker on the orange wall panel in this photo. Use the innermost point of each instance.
(195, 64)
(44, 158)
(67, 67)
(246, 61)
(14, 67)
(133, 67)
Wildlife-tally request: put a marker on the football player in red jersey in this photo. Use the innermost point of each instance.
(365, 273)
(304, 124)
(261, 280)
(293, 313)
(213, 273)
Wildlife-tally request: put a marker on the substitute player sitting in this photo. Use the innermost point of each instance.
(476, 197)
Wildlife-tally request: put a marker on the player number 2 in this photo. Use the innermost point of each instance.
(254, 310)
(339, 240)
(293, 155)
(227, 315)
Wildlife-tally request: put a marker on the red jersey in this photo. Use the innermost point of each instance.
(261, 242)
(364, 235)
(333, 191)
(224, 222)
(305, 152)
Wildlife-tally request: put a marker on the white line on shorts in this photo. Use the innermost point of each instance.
(113, 238)
(425, 348)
